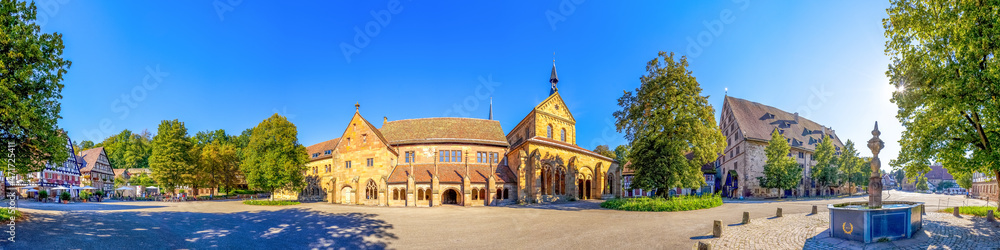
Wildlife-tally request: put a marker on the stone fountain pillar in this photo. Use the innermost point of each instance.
(875, 182)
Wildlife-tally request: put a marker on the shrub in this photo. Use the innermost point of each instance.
(270, 203)
(680, 203)
(43, 194)
(85, 194)
(64, 196)
(8, 214)
(99, 193)
(974, 210)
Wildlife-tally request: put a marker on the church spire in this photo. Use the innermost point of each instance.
(553, 79)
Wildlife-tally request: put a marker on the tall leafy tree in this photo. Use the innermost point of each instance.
(621, 154)
(31, 75)
(274, 158)
(852, 167)
(945, 68)
(217, 159)
(664, 119)
(825, 172)
(605, 151)
(170, 161)
(85, 144)
(964, 180)
(780, 170)
(127, 150)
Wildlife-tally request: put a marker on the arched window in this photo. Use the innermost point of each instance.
(395, 194)
(482, 194)
(506, 193)
(372, 191)
(420, 194)
(548, 131)
(475, 194)
(427, 194)
(499, 194)
(562, 135)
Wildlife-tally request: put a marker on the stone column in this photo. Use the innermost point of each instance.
(491, 189)
(410, 188)
(875, 182)
(436, 192)
(466, 192)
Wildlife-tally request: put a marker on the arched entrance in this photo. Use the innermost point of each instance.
(346, 195)
(449, 197)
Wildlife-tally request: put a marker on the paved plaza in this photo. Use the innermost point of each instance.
(228, 224)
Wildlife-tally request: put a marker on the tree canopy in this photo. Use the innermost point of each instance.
(852, 167)
(170, 161)
(273, 157)
(780, 170)
(944, 66)
(665, 119)
(128, 150)
(31, 75)
(825, 172)
(605, 151)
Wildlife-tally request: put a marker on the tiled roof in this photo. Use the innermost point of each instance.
(119, 171)
(569, 146)
(939, 173)
(450, 173)
(90, 157)
(445, 129)
(321, 148)
(757, 121)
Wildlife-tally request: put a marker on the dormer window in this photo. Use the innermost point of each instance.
(315, 155)
(327, 152)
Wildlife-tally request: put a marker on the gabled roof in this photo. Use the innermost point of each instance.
(370, 127)
(90, 157)
(321, 148)
(757, 121)
(444, 130)
(938, 172)
(555, 97)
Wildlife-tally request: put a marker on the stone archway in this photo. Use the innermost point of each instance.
(450, 196)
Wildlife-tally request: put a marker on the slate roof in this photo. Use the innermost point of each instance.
(450, 173)
(938, 172)
(444, 130)
(321, 149)
(757, 121)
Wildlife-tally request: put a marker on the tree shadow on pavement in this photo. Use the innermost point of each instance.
(282, 229)
(565, 206)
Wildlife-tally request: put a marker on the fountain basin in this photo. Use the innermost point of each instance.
(894, 220)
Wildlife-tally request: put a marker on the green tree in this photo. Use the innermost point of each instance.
(274, 157)
(855, 172)
(664, 119)
(605, 151)
(218, 163)
(922, 183)
(900, 176)
(85, 144)
(964, 180)
(780, 170)
(127, 150)
(170, 161)
(825, 172)
(31, 75)
(142, 180)
(945, 185)
(944, 66)
(621, 154)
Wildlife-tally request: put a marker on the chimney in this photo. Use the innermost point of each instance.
(385, 119)
(796, 117)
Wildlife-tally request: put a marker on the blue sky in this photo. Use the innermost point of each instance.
(217, 65)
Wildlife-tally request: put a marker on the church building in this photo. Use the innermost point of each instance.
(461, 161)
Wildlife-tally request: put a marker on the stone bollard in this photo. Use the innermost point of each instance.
(815, 210)
(717, 229)
(778, 214)
(746, 217)
(922, 211)
(956, 212)
(989, 216)
(704, 246)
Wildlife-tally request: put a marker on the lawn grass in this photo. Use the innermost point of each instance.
(679, 203)
(5, 214)
(974, 210)
(270, 203)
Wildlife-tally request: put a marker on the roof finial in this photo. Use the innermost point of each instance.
(727, 91)
(357, 107)
(491, 108)
(553, 79)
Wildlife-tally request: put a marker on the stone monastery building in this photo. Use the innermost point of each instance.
(462, 161)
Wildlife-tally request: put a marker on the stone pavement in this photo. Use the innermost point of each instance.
(804, 231)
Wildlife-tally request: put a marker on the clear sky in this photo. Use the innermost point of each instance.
(222, 65)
